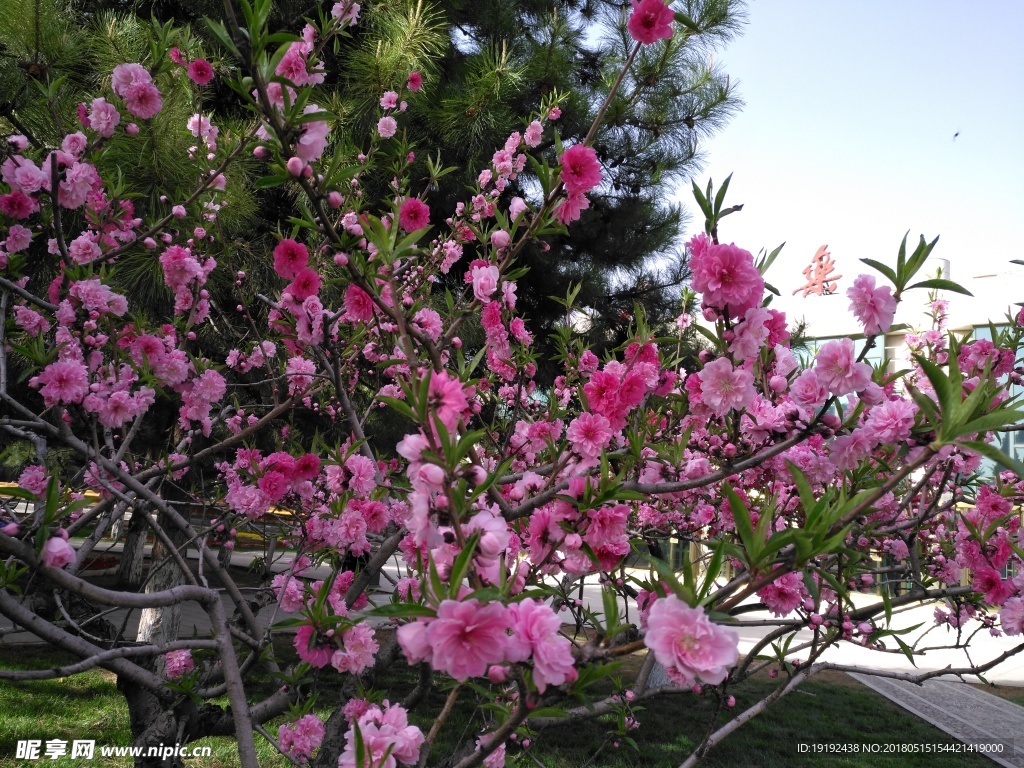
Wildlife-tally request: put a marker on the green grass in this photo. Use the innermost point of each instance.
(831, 708)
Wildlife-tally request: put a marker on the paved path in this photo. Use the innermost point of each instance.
(971, 716)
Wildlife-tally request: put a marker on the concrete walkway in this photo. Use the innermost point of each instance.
(991, 725)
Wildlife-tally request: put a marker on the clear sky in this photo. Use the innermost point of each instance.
(847, 136)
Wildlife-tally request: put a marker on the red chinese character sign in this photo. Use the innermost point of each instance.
(820, 279)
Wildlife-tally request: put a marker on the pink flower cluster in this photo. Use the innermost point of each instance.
(725, 275)
(57, 552)
(688, 644)
(580, 173)
(134, 84)
(650, 21)
(186, 275)
(387, 737)
(178, 663)
(300, 739)
(874, 307)
(467, 637)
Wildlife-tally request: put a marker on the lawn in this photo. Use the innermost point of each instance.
(830, 708)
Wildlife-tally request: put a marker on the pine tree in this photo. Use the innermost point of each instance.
(486, 65)
(499, 61)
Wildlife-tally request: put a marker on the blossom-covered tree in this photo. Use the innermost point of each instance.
(790, 483)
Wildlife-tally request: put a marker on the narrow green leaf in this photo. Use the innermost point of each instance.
(996, 455)
(402, 611)
(461, 565)
(942, 285)
(687, 22)
(720, 197)
(702, 201)
(887, 271)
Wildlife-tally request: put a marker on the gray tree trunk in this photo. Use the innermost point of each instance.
(132, 567)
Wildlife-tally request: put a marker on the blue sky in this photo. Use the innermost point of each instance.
(847, 133)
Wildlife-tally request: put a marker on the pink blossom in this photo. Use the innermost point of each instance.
(580, 170)
(387, 127)
(103, 117)
(346, 12)
(688, 644)
(74, 143)
(290, 257)
(808, 392)
(467, 637)
(532, 135)
(784, 594)
(535, 630)
(358, 304)
(33, 480)
(837, 368)
(57, 552)
(891, 421)
(724, 388)
(990, 583)
(313, 140)
(24, 175)
(200, 72)
(178, 663)
(415, 81)
(1011, 617)
(389, 100)
(727, 277)
(571, 207)
(414, 214)
(127, 75)
(18, 238)
(143, 100)
(64, 381)
(650, 21)
(429, 322)
(311, 647)
(298, 740)
(485, 282)
(446, 398)
(874, 307)
(362, 475)
(848, 451)
(589, 434)
(360, 648)
(305, 284)
(18, 205)
(500, 238)
(30, 321)
(386, 736)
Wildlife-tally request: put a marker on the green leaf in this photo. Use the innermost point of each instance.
(992, 421)
(996, 455)
(702, 201)
(266, 182)
(668, 575)
(764, 264)
(942, 285)
(907, 650)
(887, 271)
(399, 405)
(741, 519)
(402, 611)
(687, 22)
(720, 197)
(461, 565)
